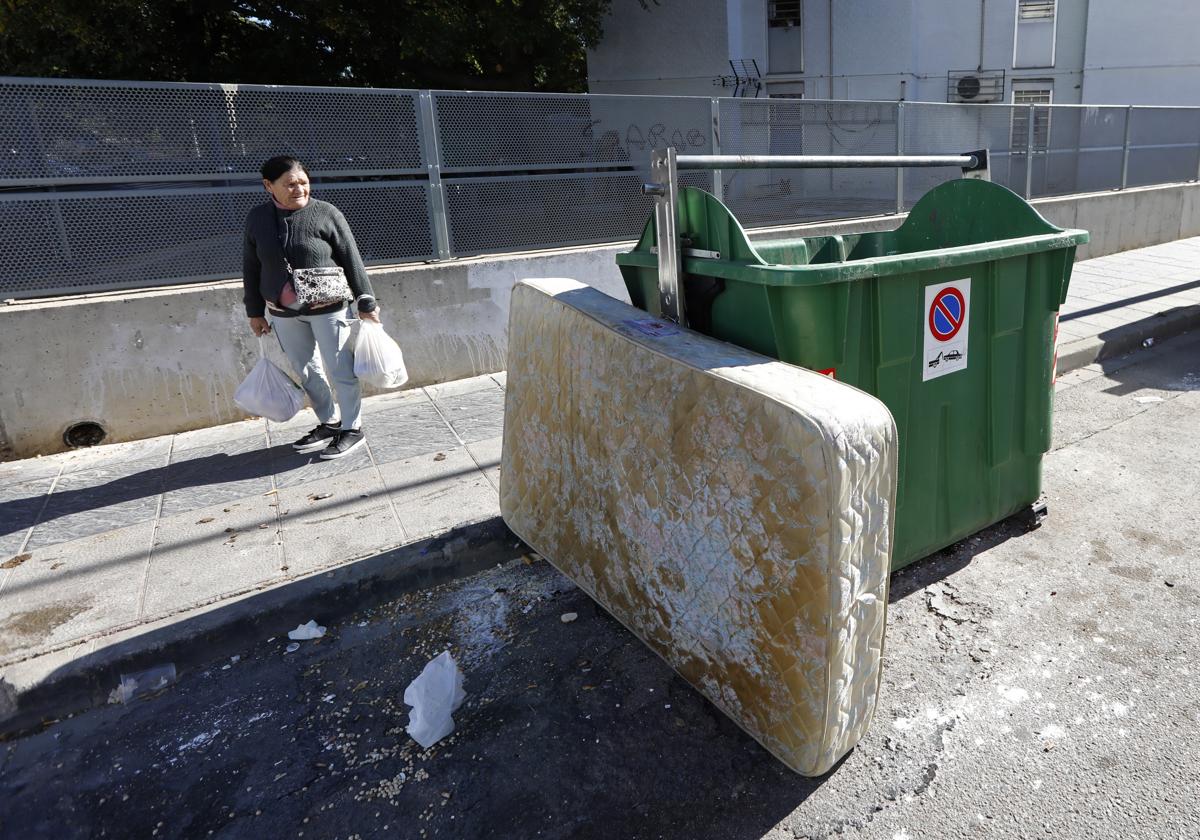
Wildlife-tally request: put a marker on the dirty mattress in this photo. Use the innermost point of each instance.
(734, 512)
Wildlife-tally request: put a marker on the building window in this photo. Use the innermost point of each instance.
(786, 13)
(1026, 96)
(1035, 9)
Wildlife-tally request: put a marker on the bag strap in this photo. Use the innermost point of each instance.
(279, 222)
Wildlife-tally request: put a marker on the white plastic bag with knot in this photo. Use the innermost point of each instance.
(434, 695)
(377, 357)
(269, 392)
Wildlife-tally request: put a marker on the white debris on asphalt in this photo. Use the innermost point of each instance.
(304, 632)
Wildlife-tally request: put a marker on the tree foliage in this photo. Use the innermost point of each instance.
(481, 44)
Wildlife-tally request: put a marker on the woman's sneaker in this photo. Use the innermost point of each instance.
(345, 443)
(318, 438)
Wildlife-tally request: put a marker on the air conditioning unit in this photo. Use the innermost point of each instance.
(975, 86)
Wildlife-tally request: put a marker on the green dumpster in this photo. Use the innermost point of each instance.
(950, 320)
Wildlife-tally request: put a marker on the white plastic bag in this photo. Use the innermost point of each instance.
(269, 392)
(434, 695)
(377, 357)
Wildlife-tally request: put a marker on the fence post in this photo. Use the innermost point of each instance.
(1029, 154)
(431, 154)
(900, 151)
(718, 186)
(1125, 148)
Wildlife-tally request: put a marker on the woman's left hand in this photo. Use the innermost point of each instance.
(370, 316)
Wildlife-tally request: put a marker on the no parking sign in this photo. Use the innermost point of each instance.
(946, 326)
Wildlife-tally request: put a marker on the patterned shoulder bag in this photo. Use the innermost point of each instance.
(316, 286)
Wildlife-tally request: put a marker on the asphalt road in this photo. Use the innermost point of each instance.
(1037, 683)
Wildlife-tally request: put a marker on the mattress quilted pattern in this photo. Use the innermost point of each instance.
(734, 512)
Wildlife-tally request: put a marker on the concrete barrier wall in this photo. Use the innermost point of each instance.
(154, 362)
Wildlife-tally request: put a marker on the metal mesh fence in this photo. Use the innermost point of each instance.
(111, 185)
(799, 127)
(525, 171)
(931, 128)
(93, 241)
(1163, 145)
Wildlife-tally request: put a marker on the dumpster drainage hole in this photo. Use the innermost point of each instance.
(86, 433)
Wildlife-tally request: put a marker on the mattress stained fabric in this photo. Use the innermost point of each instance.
(734, 512)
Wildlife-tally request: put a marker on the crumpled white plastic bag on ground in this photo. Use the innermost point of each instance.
(303, 632)
(434, 695)
(269, 392)
(377, 357)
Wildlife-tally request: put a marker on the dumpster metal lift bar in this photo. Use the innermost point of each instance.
(664, 171)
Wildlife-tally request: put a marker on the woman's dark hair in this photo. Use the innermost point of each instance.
(280, 165)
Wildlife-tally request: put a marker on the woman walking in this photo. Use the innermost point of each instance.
(308, 311)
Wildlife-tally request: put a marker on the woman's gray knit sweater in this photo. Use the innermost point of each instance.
(316, 236)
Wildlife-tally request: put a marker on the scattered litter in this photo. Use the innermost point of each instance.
(316, 497)
(441, 456)
(56, 565)
(231, 530)
(264, 525)
(567, 618)
(204, 521)
(15, 561)
(362, 624)
(1144, 400)
(304, 632)
(1168, 583)
(328, 698)
(292, 648)
(226, 667)
(270, 492)
(270, 640)
(434, 695)
(123, 693)
(235, 659)
(141, 683)
(1149, 342)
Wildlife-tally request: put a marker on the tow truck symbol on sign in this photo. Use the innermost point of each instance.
(936, 360)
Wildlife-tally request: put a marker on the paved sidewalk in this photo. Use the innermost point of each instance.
(1117, 302)
(99, 548)
(101, 540)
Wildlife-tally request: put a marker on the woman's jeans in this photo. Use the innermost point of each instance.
(301, 338)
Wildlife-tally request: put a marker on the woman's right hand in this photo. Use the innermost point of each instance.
(260, 327)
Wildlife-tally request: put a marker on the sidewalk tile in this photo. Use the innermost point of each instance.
(292, 468)
(19, 506)
(67, 591)
(119, 457)
(342, 526)
(392, 400)
(476, 429)
(406, 433)
(431, 496)
(212, 551)
(219, 435)
(72, 518)
(462, 386)
(208, 476)
(486, 454)
(32, 469)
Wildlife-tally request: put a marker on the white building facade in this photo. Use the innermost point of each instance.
(1099, 52)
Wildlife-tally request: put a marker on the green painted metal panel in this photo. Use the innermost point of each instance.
(971, 440)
